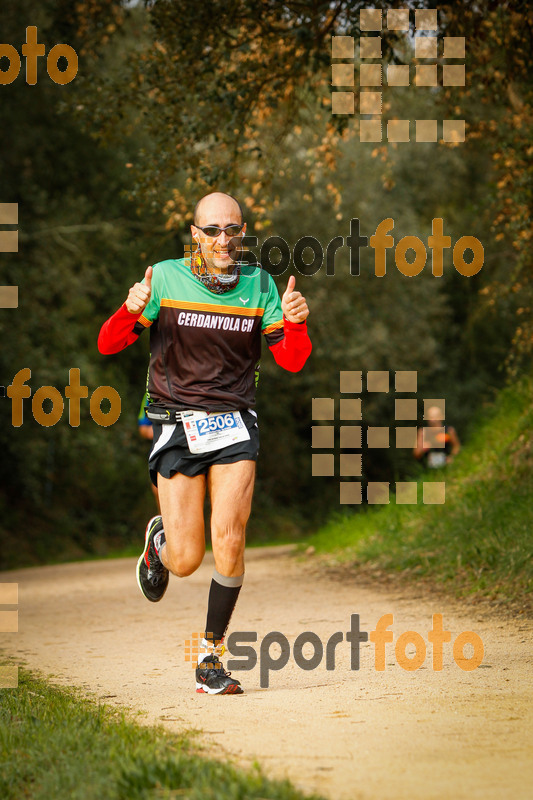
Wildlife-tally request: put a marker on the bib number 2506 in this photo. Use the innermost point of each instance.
(218, 422)
(207, 432)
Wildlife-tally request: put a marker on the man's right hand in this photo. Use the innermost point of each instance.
(139, 294)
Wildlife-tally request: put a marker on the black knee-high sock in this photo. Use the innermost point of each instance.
(223, 595)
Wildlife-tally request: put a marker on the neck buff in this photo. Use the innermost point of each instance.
(215, 282)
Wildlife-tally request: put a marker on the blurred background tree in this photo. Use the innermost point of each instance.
(174, 99)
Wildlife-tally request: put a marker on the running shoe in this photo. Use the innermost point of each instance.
(212, 678)
(152, 575)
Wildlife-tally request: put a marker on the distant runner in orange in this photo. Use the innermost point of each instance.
(438, 447)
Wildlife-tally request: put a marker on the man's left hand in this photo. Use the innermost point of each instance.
(293, 303)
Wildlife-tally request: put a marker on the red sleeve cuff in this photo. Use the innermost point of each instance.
(294, 349)
(117, 332)
(294, 326)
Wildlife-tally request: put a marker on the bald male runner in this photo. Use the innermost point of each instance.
(206, 316)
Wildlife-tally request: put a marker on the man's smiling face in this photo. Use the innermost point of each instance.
(220, 252)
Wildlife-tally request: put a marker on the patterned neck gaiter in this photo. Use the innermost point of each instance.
(217, 283)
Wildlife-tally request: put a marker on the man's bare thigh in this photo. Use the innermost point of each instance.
(231, 488)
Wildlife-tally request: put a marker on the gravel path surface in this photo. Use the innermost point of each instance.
(343, 732)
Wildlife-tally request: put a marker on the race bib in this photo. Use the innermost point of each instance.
(206, 432)
(436, 459)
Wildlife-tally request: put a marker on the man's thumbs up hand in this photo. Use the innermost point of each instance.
(139, 294)
(293, 303)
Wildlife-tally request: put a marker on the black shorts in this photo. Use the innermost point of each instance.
(174, 455)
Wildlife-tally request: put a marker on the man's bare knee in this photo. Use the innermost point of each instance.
(228, 545)
(182, 562)
(181, 569)
(184, 549)
(231, 537)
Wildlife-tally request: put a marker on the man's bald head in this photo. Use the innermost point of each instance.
(211, 206)
(220, 211)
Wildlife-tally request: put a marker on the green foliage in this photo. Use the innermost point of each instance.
(107, 170)
(56, 744)
(65, 490)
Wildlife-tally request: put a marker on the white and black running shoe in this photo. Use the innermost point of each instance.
(212, 678)
(152, 575)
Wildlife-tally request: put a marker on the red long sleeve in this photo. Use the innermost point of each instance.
(117, 332)
(294, 349)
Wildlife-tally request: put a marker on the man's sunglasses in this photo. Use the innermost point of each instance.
(214, 230)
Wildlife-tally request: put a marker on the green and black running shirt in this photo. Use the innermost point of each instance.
(205, 347)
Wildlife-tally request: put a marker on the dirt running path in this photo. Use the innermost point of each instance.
(346, 734)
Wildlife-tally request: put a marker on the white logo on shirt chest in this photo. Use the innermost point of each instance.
(243, 300)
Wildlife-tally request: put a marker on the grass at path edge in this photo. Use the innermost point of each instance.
(55, 743)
